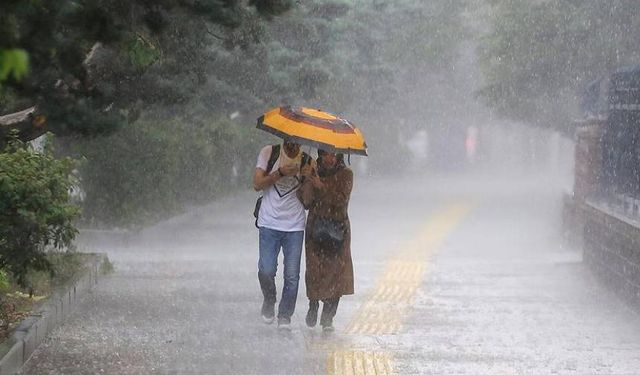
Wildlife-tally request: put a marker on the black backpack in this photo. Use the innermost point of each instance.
(275, 153)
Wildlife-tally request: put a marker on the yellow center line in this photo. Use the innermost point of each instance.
(355, 362)
(386, 307)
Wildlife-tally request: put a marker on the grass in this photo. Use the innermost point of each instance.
(16, 303)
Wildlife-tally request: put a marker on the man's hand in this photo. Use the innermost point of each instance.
(289, 170)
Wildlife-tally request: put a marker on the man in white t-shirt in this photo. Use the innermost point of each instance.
(281, 222)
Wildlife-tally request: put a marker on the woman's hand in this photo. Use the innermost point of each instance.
(307, 171)
(316, 182)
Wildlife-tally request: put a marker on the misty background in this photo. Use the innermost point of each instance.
(158, 101)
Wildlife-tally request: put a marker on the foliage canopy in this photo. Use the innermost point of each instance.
(173, 71)
(538, 55)
(96, 64)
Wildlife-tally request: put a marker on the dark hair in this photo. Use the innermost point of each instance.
(339, 163)
(322, 152)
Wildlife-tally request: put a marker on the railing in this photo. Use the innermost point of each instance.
(618, 204)
(625, 204)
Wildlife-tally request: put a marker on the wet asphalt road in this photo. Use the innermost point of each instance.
(454, 275)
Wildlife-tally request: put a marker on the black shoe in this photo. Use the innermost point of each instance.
(312, 314)
(268, 312)
(329, 308)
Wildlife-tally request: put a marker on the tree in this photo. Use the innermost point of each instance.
(403, 79)
(538, 55)
(366, 60)
(173, 73)
(35, 209)
(96, 64)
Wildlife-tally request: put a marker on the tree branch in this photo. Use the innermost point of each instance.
(214, 35)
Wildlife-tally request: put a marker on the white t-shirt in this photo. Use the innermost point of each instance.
(281, 209)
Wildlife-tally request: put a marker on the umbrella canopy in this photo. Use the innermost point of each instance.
(313, 127)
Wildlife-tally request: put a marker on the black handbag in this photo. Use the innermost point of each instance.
(328, 234)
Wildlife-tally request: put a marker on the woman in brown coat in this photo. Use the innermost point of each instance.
(329, 269)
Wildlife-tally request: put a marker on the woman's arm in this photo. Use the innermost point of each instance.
(343, 188)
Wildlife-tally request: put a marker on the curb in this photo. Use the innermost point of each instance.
(52, 314)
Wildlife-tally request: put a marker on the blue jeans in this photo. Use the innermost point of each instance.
(270, 243)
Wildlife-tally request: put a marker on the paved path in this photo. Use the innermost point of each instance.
(453, 275)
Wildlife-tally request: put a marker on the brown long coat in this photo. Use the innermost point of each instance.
(328, 276)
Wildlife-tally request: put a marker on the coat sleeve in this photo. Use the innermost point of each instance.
(343, 187)
(306, 194)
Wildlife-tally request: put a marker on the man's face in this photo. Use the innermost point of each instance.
(291, 148)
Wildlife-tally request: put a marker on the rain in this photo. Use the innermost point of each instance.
(444, 187)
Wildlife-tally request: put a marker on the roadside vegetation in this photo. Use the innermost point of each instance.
(36, 229)
(36, 213)
(18, 300)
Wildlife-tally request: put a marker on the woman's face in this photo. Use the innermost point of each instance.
(329, 160)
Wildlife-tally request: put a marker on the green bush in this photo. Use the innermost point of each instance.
(153, 169)
(65, 267)
(5, 281)
(106, 267)
(35, 212)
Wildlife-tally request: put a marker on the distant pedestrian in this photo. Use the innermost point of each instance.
(281, 221)
(329, 268)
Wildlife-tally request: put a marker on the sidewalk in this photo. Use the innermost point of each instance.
(486, 290)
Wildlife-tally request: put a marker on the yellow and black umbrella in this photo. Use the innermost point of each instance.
(313, 127)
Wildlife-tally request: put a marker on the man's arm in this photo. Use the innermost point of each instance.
(262, 180)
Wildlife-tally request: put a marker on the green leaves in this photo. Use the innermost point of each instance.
(538, 55)
(142, 52)
(14, 63)
(152, 168)
(35, 212)
(96, 61)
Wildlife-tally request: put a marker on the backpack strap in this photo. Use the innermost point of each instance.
(306, 159)
(275, 153)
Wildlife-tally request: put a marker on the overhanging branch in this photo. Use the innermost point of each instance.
(28, 123)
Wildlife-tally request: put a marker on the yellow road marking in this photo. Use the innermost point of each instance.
(358, 362)
(385, 308)
(384, 311)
